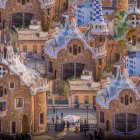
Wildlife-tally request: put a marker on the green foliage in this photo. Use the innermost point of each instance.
(61, 87)
(108, 68)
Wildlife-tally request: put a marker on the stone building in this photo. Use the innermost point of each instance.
(23, 106)
(71, 51)
(32, 40)
(118, 105)
(19, 12)
(83, 92)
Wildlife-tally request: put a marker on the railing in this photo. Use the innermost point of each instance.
(56, 127)
(91, 127)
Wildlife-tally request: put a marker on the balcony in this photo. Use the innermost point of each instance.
(2, 113)
(47, 4)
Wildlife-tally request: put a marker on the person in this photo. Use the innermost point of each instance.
(68, 126)
(100, 134)
(53, 109)
(53, 120)
(61, 115)
(95, 134)
(85, 129)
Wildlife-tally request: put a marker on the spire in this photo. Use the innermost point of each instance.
(98, 21)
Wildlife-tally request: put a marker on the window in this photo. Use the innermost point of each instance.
(75, 50)
(70, 49)
(3, 71)
(125, 122)
(121, 99)
(35, 49)
(50, 67)
(41, 118)
(86, 100)
(12, 85)
(126, 99)
(101, 117)
(23, 2)
(13, 127)
(79, 49)
(24, 48)
(131, 100)
(76, 99)
(19, 102)
(2, 106)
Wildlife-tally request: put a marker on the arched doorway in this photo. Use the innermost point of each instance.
(72, 69)
(25, 124)
(21, 19)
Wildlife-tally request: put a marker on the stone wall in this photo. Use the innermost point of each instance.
(116, 107)
(26, 117)
(34, 7)
(65, 57)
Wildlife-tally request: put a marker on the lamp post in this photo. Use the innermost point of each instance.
(87, 108)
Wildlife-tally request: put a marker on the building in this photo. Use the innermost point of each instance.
(118, 106)
(132, 39)
(120, 6)
(133, 62)
(19, 13)
(85, 11)
(83, 92)
(70, 52)
(32, 39)
(23, 106)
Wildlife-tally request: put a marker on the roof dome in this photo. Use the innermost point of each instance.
(112, 91)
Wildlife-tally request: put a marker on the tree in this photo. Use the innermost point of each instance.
(61, 87)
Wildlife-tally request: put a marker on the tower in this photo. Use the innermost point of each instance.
(100, 32)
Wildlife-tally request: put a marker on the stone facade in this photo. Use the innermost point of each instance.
(65, 57)
(23, 106)
(117, 106)
(26, 117)
(32, 7)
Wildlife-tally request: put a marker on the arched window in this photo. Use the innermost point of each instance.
(75, 50)
(126, 99)
(86, 100)
(131, 100)
(125, 122)
(107, 125)
(122, 100)
(70, 49)
(134, 40)
(12, 85)
(23, 2)
(79, 49)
